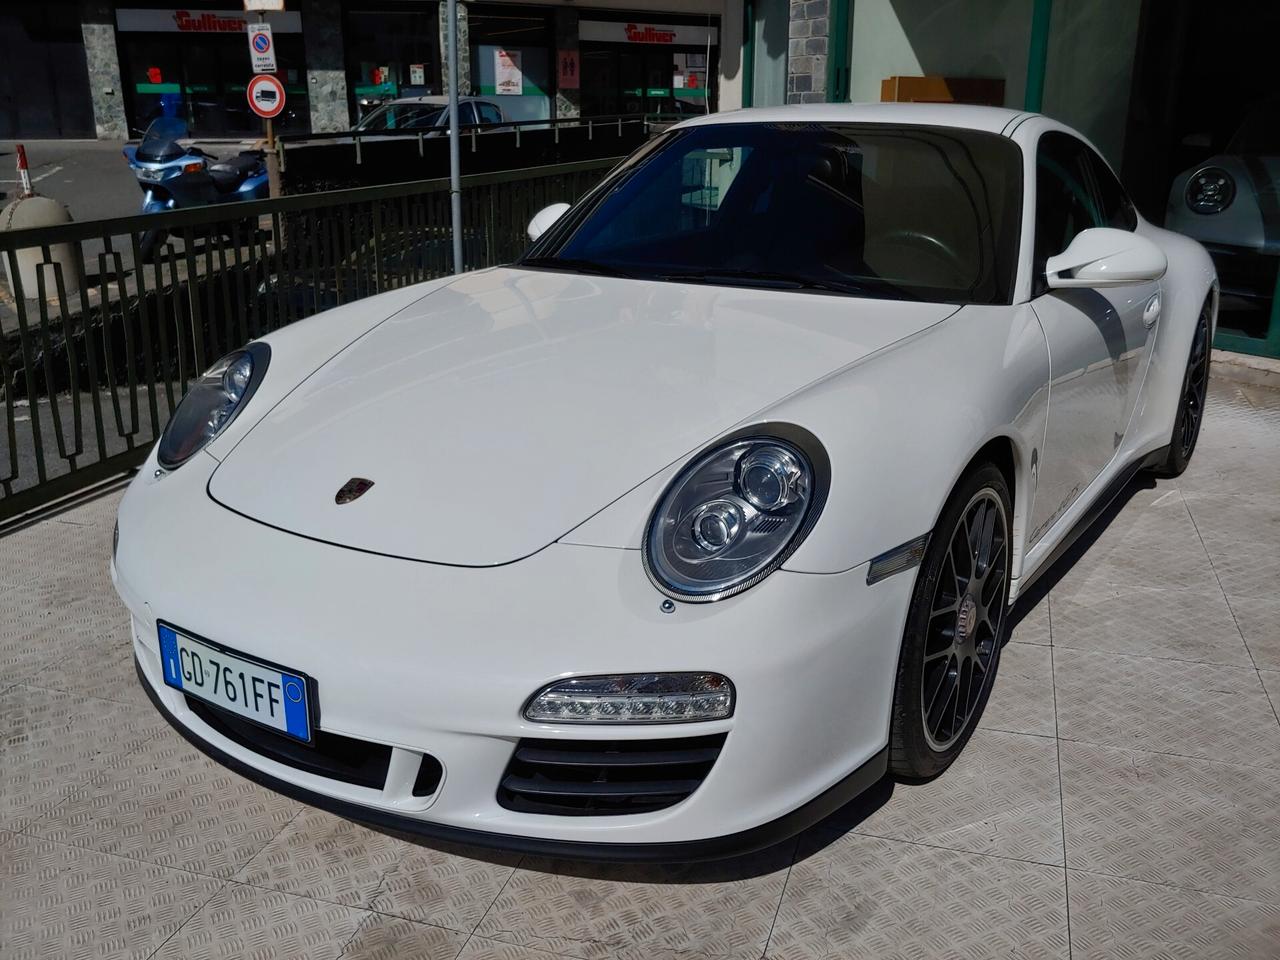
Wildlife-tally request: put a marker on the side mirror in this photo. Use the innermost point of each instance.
(544, 218)
(1106, 257)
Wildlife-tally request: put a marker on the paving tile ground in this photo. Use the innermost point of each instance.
(1120, 799)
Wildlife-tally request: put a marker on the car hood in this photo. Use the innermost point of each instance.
(503, 409)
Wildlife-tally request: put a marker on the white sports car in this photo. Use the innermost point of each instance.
(673, 536)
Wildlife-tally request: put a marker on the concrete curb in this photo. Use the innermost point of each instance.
(1243, 368)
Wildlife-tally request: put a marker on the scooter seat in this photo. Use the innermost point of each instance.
(227, 175)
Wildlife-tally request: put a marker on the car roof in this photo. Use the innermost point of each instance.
(968, 116)
(434, 100)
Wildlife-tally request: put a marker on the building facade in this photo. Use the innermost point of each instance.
(1159, 95)
(97, 68)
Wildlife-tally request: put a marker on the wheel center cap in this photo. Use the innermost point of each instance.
(966, 619)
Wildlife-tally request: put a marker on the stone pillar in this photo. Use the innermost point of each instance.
(98, 26)
(807, 51)
(326, 69)
(464, 51)
(568, 103)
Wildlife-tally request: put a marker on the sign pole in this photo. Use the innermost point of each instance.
(272, 158)
(455, 179)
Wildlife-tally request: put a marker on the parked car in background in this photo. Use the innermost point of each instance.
(1231, 203)
(674, 535)
(427, 114)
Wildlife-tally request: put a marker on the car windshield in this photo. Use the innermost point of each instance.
(402, 116)
(165, 130)
(1259, 135)
(920, 213)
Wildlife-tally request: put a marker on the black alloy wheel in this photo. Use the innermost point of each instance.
(955, 628)
(1190, 416)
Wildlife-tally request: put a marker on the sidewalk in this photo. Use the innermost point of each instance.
(1118, 799)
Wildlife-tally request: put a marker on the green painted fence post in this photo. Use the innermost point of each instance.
(1038, 54)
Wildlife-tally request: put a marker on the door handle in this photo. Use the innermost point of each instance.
(1151, 312)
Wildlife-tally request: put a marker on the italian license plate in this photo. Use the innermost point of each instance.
(248, 688)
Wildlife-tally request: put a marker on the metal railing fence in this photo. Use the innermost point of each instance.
(123, 313)
(352, 158)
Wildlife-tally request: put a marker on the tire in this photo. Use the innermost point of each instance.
(150, 243)
(957, 623)
(1195, 386)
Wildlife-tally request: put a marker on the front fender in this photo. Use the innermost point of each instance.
(900, 426)
(153, 204)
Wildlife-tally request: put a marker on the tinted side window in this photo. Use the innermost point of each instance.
(1065, 203)
(1117, 208)
(489, 113)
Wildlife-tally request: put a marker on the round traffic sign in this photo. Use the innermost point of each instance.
(261, 42)
(266, 96)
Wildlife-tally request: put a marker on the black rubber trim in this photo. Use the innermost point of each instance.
(1096, 510)
(688, 851)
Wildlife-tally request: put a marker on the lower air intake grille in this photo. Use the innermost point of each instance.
(329, 755)
(583, 778)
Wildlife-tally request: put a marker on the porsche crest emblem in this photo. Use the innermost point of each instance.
(353, 489)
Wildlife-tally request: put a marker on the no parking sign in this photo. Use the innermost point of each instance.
(262, 50)
(266, 96)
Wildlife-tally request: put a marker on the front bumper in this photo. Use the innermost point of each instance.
(436, 660)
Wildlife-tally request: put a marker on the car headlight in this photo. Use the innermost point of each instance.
(212, 403)
(734, 515)
(1210, 190)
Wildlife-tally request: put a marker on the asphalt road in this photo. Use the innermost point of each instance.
(91, 177)
(18, 464)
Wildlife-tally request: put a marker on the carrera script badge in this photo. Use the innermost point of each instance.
(353, 489)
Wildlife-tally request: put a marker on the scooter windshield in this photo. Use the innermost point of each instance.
(160, 142)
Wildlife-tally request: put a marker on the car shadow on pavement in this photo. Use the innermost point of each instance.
(1036, 593)
(815, 838)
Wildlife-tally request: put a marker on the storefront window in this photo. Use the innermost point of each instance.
(635, 67)
(392, 51)
(511, 58)
(194, 65)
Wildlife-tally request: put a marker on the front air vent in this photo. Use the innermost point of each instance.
(357, 762)
(585, 778)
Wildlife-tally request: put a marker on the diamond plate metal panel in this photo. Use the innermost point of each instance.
(1271, 683)
(1000, 797)
(1168, 706)
(1022, 699)
(1253, 518)
(867, 897)
(1259, 623)
(65, 902)
(1114, 919)
(1033, 627)
(390, 938)
(1237, 451)
(478, 948)
(248, 923)
(1152, 542)
(1250, 570)
(52, 744)
(640, 912)
(1191, 823)
(171, 805)
(1117, 618)
(327, 858)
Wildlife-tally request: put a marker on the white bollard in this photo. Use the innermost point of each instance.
(31, 210)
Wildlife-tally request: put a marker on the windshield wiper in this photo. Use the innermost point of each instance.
(776, 281)
(575, 265)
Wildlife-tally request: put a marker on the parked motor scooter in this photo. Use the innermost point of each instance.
(173, 176)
